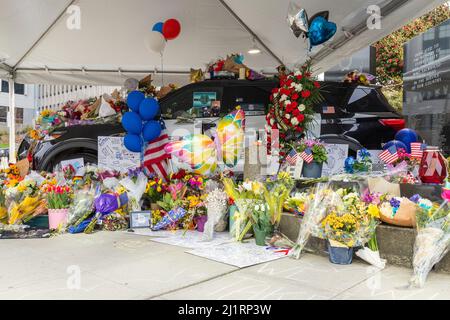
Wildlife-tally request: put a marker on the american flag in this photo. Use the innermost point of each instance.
(292, 157)
(417, 150)
(328, 110)
(389, 155)
(307, 156)
(156, 160)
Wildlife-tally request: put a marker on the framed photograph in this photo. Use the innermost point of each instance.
(140, 219)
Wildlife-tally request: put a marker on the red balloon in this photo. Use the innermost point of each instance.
(171, 29)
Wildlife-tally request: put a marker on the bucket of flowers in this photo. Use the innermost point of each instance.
(314, 155)
(58, 202)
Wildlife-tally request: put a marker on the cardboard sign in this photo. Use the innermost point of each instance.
(112, 155)
(296, 171)
(337, 153)
(77, 164)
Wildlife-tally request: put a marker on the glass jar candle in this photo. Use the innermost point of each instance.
(433, 167)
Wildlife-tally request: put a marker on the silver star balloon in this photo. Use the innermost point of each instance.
(297, 19)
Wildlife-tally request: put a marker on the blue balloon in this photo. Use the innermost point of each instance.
(148, 109)
(396, 143)
(133, 142)
(321, 30)
(132, 123)
(158, 27)
(134, 99)
(152, 130)
(407, 136)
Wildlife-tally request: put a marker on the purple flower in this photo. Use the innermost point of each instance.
(394, 203)
(415, 198)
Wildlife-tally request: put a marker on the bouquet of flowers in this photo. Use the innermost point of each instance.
(275, 191)
(135, 183)
(28, 208)
(318, 206)
(155, 189)
(363, 164)
(216, 206)
(350, 225)
(315, 146)
(81, 207)
(433, 238)
(245, 196)
(405, 169)
(297, 202)
(291, 107)
(58, 197)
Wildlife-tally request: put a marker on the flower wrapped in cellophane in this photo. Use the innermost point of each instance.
(432, 240)
(28, 208)
(317, 207)
(245, 196)
(216, 206)
(82, 206)
(350, 224)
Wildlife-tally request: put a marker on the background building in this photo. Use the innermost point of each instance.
(426, 99)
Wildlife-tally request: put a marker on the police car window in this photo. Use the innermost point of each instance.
(365, 99)
(192, 103)
(253, 100)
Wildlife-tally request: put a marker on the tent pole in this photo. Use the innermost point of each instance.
(247, 28)
(43, 35)
(12, 121)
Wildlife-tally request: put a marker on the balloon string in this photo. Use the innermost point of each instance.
(162, 69)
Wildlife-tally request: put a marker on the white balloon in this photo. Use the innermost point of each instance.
(155, 42)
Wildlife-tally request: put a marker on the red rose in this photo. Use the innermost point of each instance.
(306, 94)
(298, 129)
(299, 77)
(295, 96)
(296, 112)
(275, 90)
(300, 118)
(316, 84)
(294, 104)
(288, 82)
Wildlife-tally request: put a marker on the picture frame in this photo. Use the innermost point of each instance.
(140, 219)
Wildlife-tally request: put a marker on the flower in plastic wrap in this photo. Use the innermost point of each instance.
(107, 203)
(172, 217)
(81, 206)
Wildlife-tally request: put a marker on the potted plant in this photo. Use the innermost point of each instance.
(58, 201)
(314, 154)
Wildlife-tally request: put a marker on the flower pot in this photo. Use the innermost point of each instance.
(200, 222)
(340, 255)
(57, 217)
(312, 170)
(260, 236)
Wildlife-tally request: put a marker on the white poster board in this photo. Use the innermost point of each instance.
(337, 153)
(112, 155)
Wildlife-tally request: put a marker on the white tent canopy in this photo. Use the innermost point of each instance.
(36, 45)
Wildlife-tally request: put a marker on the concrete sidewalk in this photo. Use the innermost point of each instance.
(115, 265)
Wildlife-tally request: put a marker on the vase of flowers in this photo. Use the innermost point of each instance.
(58, 201)
(314, 154)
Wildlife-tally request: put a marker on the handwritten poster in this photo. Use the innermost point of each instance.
(113, 155)
(337, 153)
